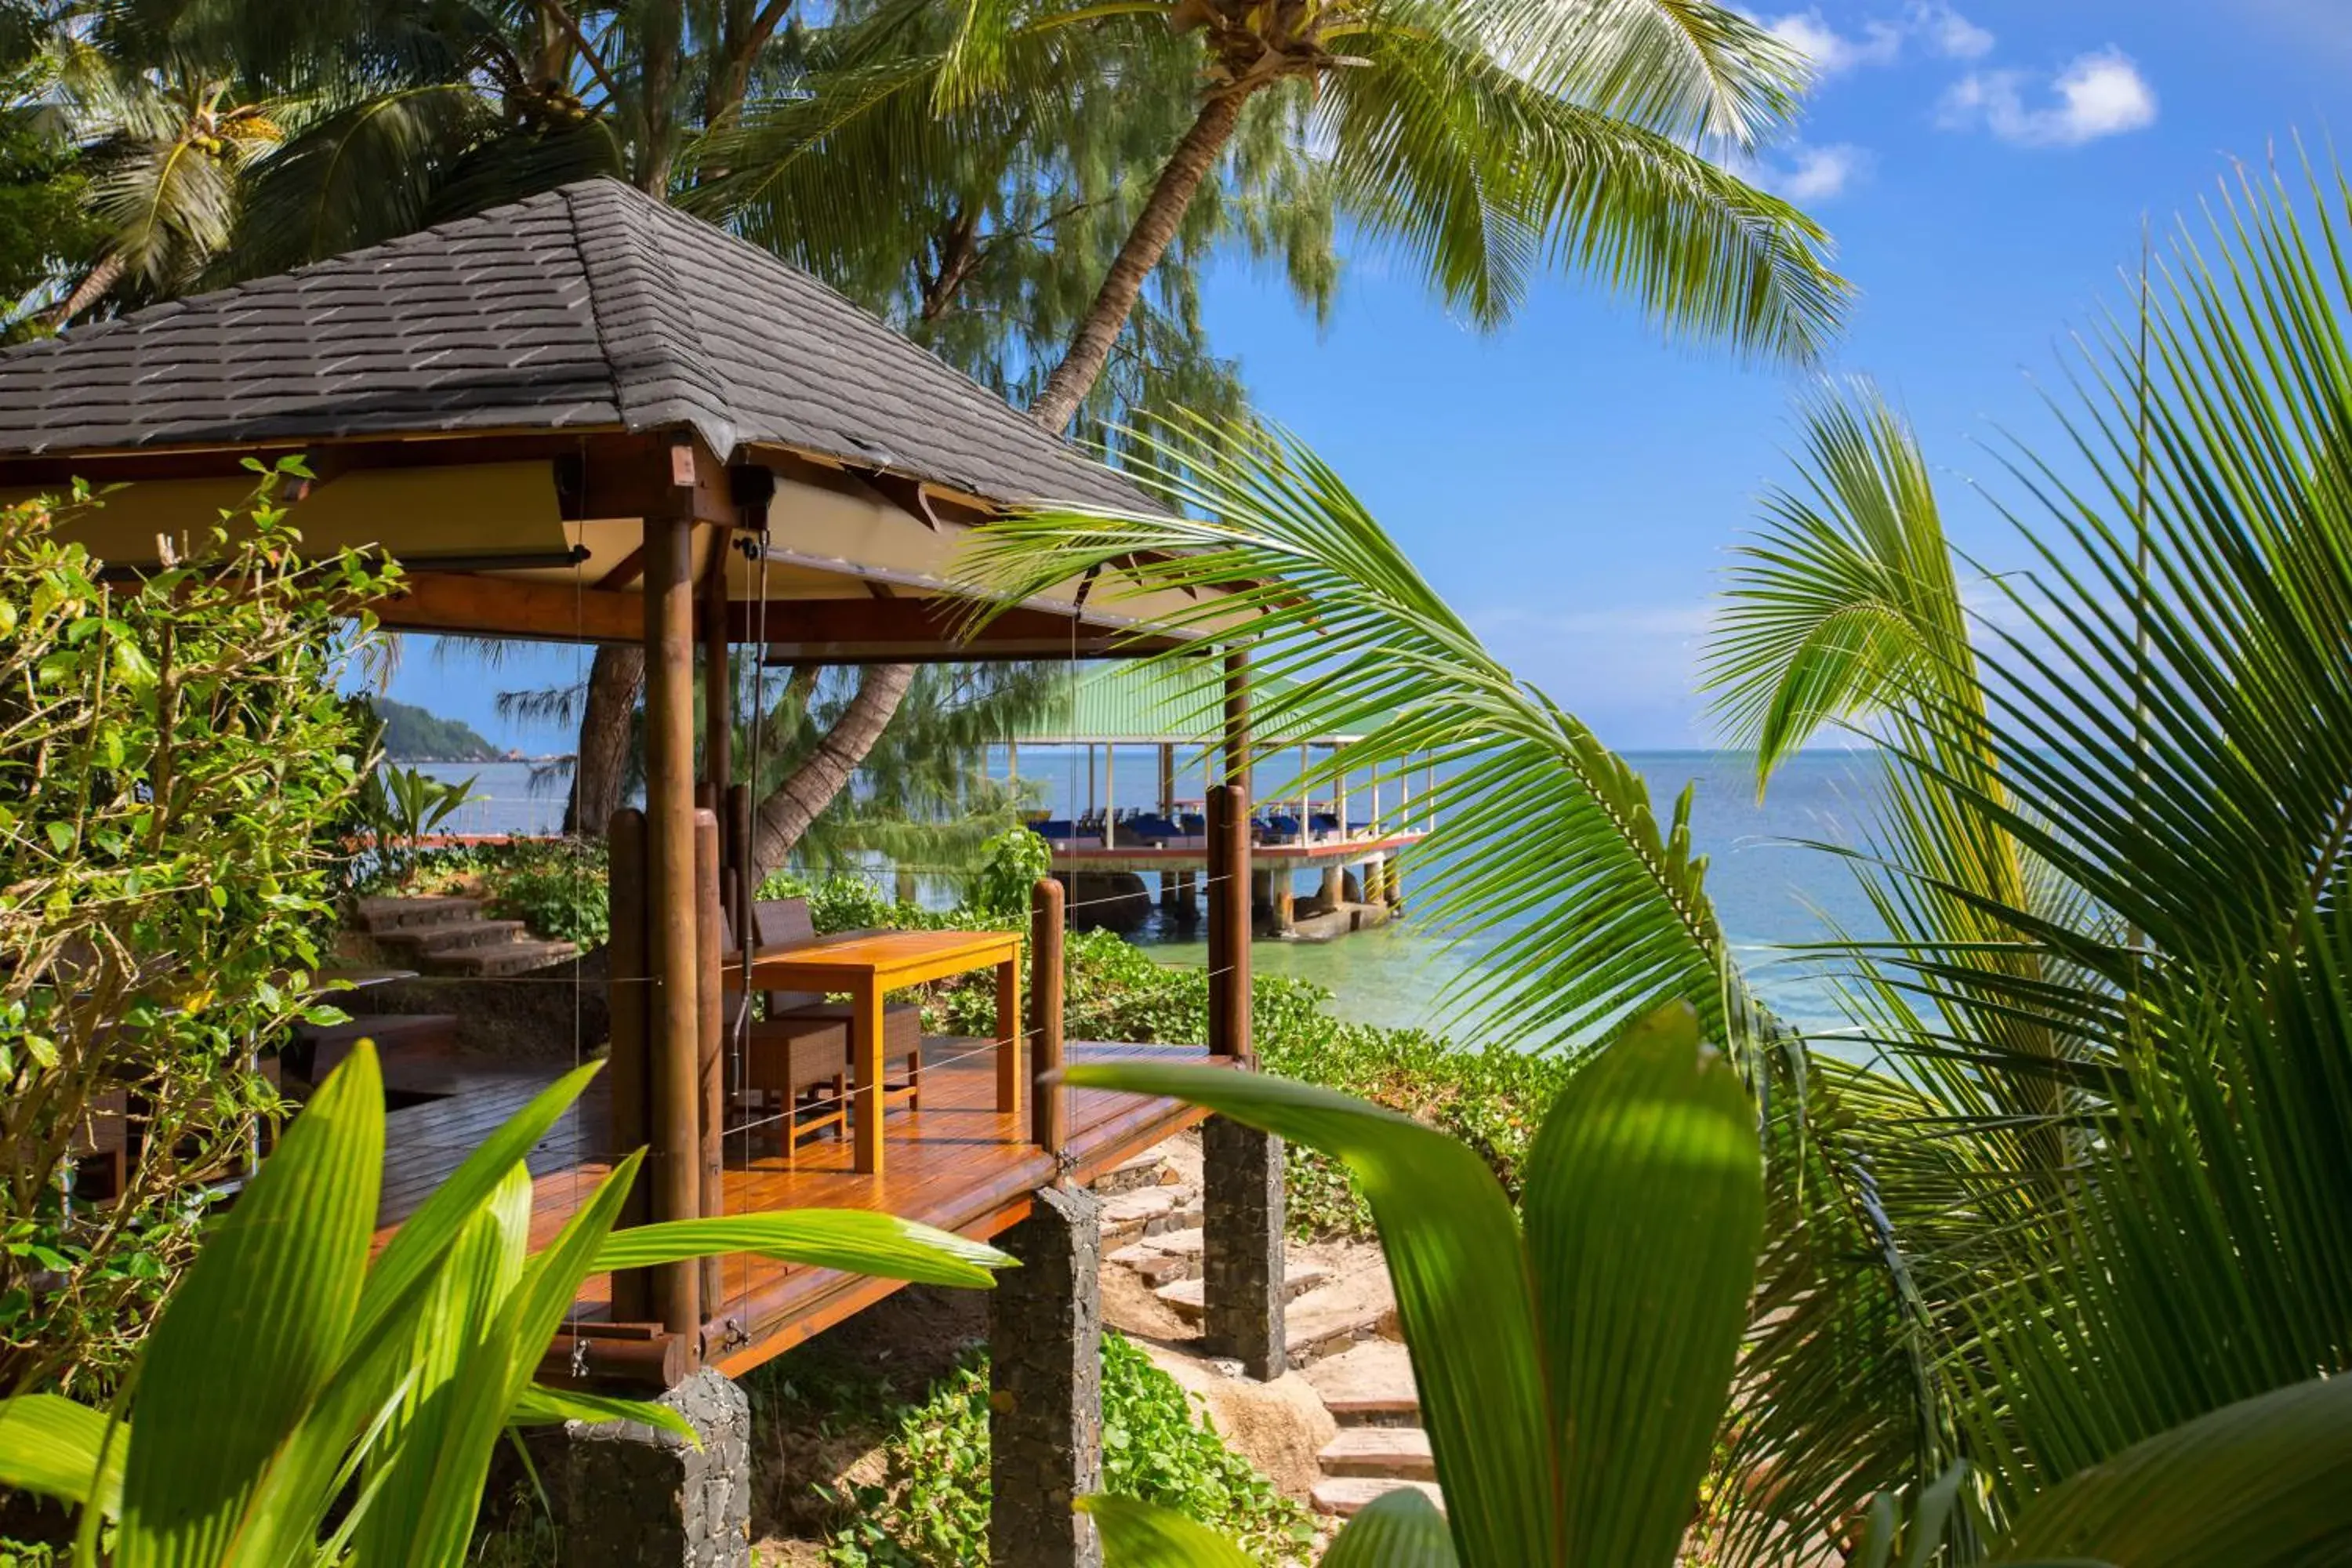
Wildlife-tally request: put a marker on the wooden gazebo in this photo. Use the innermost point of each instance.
(587, 418)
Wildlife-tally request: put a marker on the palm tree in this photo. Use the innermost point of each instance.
(1480, 138)
(412, 114)
(2080, 1192)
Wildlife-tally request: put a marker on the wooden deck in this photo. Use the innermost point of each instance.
(955, 1163)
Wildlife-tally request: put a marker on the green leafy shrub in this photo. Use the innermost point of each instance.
(558, 890)
(174, 764)
(932, 1508)
(1010, 865)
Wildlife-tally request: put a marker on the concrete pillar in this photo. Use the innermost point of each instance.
(1241, 1257)
(1375, 877)
(1326, 893)
(630, 1496)
(1392, 885)
(1261, 890)
(1284, 902)
(1044, 1400)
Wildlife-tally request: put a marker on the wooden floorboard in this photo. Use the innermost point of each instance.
(955, 1163)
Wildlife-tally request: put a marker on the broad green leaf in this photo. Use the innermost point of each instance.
(52, 1445)
(1644, 1205)
(1145, 1535)
(543, 1406)
(497, 1368)
(255, 1330)
(2258, 1484)
(435, 1225)
(1401, 1529)
(467, 1292)
(856, 1240)
(1461, 1277)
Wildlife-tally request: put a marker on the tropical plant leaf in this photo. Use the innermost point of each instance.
(53, 1447)
(1460, 1276)
(1401, 1529)
(1645, 1205)
(543, 1406)
(1145, 1535)
(255, 1330)
(2257, 1484)
(1544, 839)
(858, 1240)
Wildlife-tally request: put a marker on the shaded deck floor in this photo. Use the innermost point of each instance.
(956, 1163)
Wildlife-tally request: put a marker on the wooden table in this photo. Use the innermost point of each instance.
(868, 966)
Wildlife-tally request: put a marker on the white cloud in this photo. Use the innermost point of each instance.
(1833, 52)
(1948, 33)
(2100, 94)
(1818, 173)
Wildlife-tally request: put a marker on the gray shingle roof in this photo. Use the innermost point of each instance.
(591, 305)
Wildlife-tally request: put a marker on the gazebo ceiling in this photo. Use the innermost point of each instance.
(501, 401)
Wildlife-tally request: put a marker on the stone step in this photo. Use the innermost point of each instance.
(1346, 1496)
(493, 963)
(1382, 1453)
(1148, 1211)
(1165, 1258)
(378, 915)
(450, 935)
(1145, 1171)
(1186, 1296)
(1370, 1385)
(1332, 1319)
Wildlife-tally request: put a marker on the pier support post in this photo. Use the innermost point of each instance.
(1242, 1284)
(1045, 1397)
(1326, 894)
(1285, 903)
(626, 1494)
(1392, 885)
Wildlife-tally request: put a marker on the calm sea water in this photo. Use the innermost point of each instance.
(1767, 890)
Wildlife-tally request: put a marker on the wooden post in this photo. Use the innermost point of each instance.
(710, 1054)
(717, 679)
(1048, 1102)
(1110, 794)
(1168, 778)
(1229, 923)
(1229, 876)
(628, 993)
(674, 1018)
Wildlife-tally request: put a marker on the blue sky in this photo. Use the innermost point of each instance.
(1572, 482)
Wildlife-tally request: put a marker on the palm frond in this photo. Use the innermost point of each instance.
(1546, 836)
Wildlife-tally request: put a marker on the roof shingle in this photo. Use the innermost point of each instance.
(592, 304)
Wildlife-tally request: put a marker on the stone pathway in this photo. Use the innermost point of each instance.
(1341, 1325)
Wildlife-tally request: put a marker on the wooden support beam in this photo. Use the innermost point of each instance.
(627, 993)
(710, 1060)
(1229, 923)
(862, 630)
(1049, 1101)
(674, 1019)
(1229, 877)
(717, 679)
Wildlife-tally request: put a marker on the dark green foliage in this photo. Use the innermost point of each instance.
(932, 1508)
(414, 734)
(556, 886)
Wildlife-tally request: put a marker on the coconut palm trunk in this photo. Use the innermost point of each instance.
(1155, 229)
(783, 816)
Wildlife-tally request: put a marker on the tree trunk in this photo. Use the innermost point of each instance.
(1147, 242)
(93, 287)
(603, 764)
(787, 812)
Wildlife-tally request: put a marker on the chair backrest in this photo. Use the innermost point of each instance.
(782, 920)
(779, 922)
